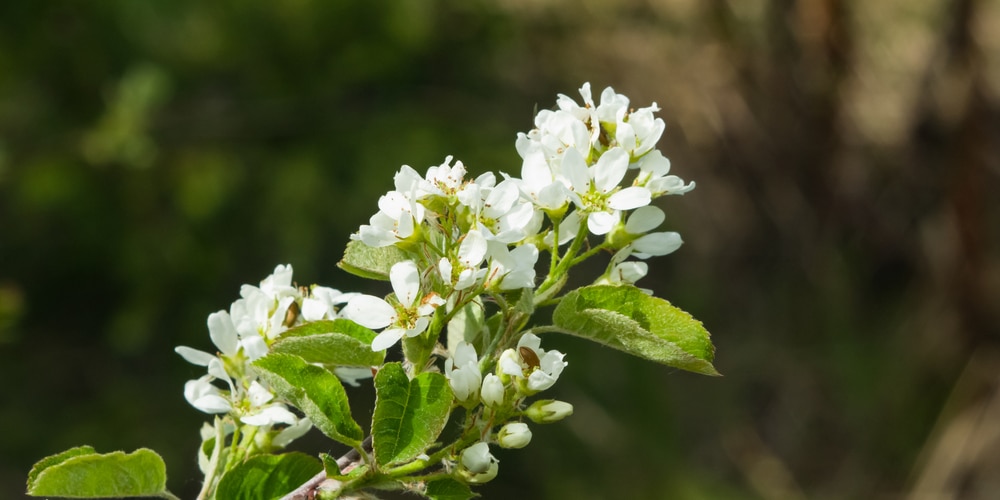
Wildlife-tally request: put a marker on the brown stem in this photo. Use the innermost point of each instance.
(310, 488)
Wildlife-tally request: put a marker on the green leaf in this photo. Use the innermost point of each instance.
(339, 342)
(56, 459)
(649, 327)
(82, 473)
(268, 476)
(409, 414)
(448, 489)
(370, 262)
(330, 465)
(314, 390)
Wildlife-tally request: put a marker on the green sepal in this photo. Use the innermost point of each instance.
(339, 342)
(314, 390)
(409, 414)
(370, 262)
(82, 473)
(268, 476)
(625, 318)
(448, 489)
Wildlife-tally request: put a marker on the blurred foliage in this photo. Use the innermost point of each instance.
(841, 245)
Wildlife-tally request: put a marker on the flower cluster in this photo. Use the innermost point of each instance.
(520, 372)
(463, 278)
(245, 333)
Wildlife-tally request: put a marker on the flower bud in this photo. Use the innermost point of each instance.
(477, 459)
(548, 410)
(514, 435)
(493, 391)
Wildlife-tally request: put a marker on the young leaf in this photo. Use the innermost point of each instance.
(339, 342)
(448, 489)
(268, 476)
(370, 262)
(82, 473)
(649, 327)
(409, 414)
(314, 390)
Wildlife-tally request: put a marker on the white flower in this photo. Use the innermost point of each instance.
(462, 370)
(638, 131)
(397, 219)
(492, 393)
(206, 397)
(653, 170)
(514, 435)
(412, 315)
(322, 303)
(536, 368)
(596, 192)
(470, 256)
(511, 269)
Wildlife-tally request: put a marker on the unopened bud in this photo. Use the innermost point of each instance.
(514, 435)
(478, 465)
(493, 391)
(548, 410)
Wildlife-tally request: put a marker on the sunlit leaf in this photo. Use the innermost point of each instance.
(409, 414)
(82, 473)
(625, 318)
(314, 390)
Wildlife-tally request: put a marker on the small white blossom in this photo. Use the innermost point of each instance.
(532, 377)
(410, 318)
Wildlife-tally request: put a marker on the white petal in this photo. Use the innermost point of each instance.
(315, 309)
(575, 170)
(602, 222)
(270, 415)
(212, 403)
(644, 219)
(405, 279)
(418, 327)
(629, 198)
(610, 169)
(292, 432)
(387, 338)
(473, 249)
(223, 333)
(369, 312)
(658, 243)
(194, 356)
(254, 346)
(531, 341)
(258, 394)
(351, 374)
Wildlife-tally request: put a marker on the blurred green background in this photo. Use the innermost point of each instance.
(842, 244)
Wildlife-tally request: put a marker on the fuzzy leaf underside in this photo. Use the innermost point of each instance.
(338, 342)
(82, 473)
(625, 318)
(370, 262)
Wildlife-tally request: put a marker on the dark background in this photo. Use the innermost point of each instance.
(841, 244)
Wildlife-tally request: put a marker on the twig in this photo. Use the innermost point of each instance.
(348, 461)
